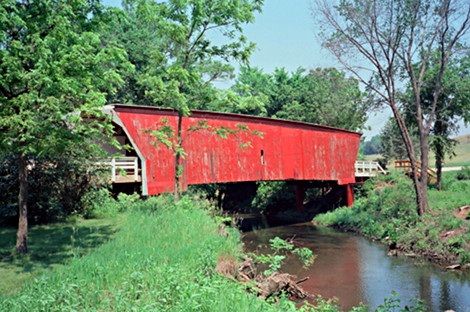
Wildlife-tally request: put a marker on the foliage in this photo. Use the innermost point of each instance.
(280, 249)
(393, 303)
(452, 105)
(102, 205)
(53, 66)
(60, 187)
(464, 174)
(391, 142)
(396, 43)
(323, 96)
(170, 45)
(271, 193)
(374, 146)
(54, 76)
(385, 214)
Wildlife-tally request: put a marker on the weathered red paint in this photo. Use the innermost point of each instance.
(349, 195)
(288, 150)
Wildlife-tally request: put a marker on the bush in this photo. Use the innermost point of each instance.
(387, 213)
(464, 174)
(273, 193)
(58, 188)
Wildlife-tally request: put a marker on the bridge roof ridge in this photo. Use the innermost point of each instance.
(259, 118)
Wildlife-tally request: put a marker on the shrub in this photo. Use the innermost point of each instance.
(58, 187)
(464, 174)
(387, 213)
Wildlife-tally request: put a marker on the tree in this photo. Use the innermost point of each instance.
(453, 104)
(53, 66)
(391, 141)
(373, 146)
(185, 60)
(323, 96)
(388, 38)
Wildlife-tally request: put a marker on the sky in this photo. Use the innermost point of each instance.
(285, 36)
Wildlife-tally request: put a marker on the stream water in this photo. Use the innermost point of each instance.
(355, 270)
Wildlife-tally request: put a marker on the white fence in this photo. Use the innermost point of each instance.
(123, 169)
(368, 169)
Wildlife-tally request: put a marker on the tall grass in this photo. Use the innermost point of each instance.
(163, 259)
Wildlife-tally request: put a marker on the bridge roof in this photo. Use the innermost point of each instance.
(194, 113)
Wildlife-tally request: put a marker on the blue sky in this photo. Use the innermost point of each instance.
(285, 35)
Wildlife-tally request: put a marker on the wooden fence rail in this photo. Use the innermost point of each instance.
(405, 165)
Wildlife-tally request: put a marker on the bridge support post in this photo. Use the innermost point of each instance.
(299, 197)
(349, 195)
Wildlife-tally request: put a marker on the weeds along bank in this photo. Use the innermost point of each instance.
(386, 213)
(162, 259)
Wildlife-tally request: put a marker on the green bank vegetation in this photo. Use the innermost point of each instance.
(386, 214)
(163, 258)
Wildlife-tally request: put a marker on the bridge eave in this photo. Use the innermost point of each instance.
(196, 113)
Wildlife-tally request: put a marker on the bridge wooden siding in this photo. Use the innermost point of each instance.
(288, 150)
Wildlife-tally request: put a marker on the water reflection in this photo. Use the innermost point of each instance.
(356, 270)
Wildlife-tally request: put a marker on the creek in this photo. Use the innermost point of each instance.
(356, 270)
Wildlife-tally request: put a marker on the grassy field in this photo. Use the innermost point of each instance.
(162, 259)
(50, 247)
(461, 158)
(462, 153)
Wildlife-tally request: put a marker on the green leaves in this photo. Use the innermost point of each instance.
(322, 96)
(175, 58)
(53, 65)
(280, 250)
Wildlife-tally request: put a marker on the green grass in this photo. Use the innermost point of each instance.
(387, 213)
(462, 154)
(50, 247)
(162, 259)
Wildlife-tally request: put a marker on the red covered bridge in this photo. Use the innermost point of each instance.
(287, 150)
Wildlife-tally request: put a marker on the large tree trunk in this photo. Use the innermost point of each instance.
(420, 191)
(22, 234)
(439, 158)
(178, 168)
(423, 204)
(439, 150)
